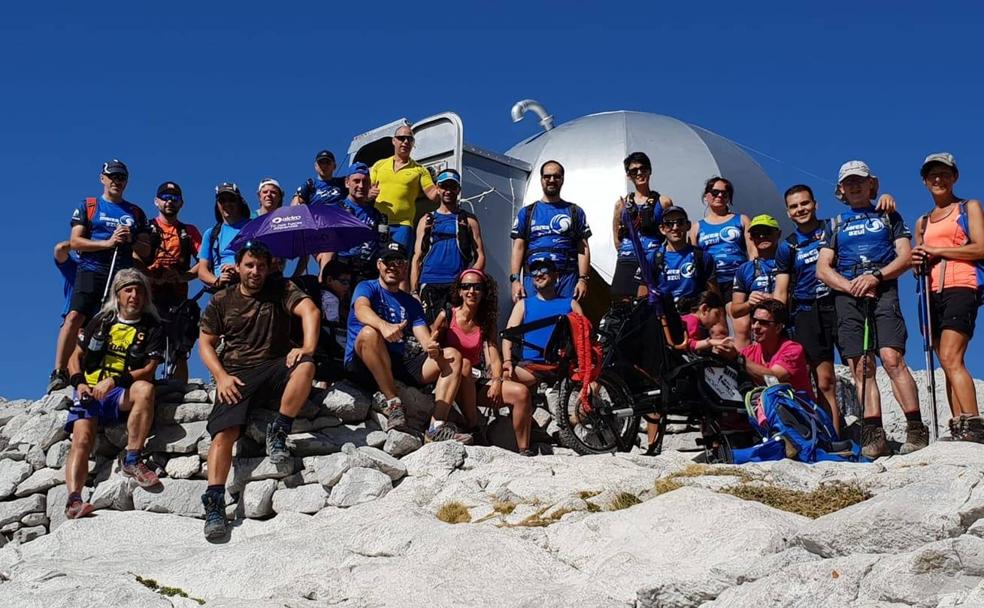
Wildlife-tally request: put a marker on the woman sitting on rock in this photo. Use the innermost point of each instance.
(470, 326)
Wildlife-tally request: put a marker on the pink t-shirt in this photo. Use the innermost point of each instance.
(695, 331)
(790, 357)
(468, 344)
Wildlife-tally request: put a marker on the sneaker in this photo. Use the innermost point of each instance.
(527, 452)
(916, 437)
(216, 526)
(57, 380)
(144, 477)
(873, 442)
(276, 444)
(76, 509)
(973, 429)
(447, 432)
(396, 414)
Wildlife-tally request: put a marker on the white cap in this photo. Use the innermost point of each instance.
(944, 158)
(853, 167)
(269, 180)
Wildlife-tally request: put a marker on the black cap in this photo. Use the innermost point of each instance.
(227, 188)
(676, 210)
(115, 167)
(393, 251)
(230, 188)
(169, 188)
(323, 155)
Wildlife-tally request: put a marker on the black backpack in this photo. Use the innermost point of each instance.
(466, 242)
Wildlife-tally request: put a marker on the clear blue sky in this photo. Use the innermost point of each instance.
(210, 91)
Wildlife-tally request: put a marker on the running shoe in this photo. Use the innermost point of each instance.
(57, 380)
(396, 414)
(216, 525)
(76, 509)
(276, 444)
(144, 477)
(447, 432)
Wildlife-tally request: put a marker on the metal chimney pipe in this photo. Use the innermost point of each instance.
(520, 108)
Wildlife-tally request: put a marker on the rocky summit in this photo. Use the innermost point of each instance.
(365, 518)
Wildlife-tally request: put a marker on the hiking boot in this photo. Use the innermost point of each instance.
(144, 477)
(873, 442)
(57, 380)
(916, 437)
(973, 429)
(956, 429)
(396, 414)
(75, 508)
(216, 526)
(276, 444)
(447, 432)
(527, 452)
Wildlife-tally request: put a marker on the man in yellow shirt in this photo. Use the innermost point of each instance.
(397, 182)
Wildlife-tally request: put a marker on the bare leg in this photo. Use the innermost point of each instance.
(67, 338)
(518, 397)
(139, 400)
(220, 455)
(467, 395)
(872, 401)
(953, 346)
(77, 465)
(371, 350)
(827, 391)
(741, 326)
(297, 390)
(903, 384)
(447, 373)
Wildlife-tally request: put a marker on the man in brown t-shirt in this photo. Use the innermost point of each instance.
(258, 366)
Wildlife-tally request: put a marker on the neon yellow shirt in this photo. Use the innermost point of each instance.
(399, 190)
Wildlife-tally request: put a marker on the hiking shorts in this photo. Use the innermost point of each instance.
(88, 292)
(106, 412)
(815, 328)
(434, 297)
(627, 277)
(409, 371)
(955, 309)
(887, 323)
(264, 384)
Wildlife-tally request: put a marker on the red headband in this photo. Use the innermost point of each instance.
(480, 274)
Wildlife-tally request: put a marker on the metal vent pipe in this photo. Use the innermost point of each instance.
(520, 108)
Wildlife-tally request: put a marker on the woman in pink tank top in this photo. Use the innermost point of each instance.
(471, 327)
(950, 240)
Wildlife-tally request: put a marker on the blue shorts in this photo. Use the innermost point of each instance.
(398, 233)
(565, 285)
(107, 411)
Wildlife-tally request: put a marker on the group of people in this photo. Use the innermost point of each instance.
(414, 304)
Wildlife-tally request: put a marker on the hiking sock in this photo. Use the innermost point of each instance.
(284, 422)
(873, 420)
(131, 458)
(218, 490)
(73, 497)
(915, 416)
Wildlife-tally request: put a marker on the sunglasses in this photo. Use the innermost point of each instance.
(764, 322)
(675, 223)
(404, 138)
(472, 287)
(117, 177)
(637, 171)
(227, 199)
(540, 271)
(449, 185)
(394, 262)
(716, 193)
(760, 234)
(170, 198)
(547, 177)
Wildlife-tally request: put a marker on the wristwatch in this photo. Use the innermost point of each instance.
(741, 361)
(583, 277)
(877, 274)
(513, 277)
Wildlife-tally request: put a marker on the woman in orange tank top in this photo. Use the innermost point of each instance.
(951, 254)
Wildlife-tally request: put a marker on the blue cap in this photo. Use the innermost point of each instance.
(448, 175)
(360, 168)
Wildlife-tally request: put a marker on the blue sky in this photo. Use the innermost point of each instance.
(205, 92)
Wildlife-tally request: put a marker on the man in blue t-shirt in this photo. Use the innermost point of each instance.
(381, 320)
(108, 232)
(680, 268)
(218, 262)
(862, 256)
(324, 188)
(553, 229)
(755, 280)
(361, 258)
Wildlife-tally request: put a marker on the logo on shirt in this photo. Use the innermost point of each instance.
(730, 234)
(687, 270)
(874, 225)
(126, 220)
(560, 224)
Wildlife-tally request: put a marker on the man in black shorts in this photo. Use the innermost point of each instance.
(258, 365)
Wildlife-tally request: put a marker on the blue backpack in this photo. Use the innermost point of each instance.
(965, 226)
(792, 426)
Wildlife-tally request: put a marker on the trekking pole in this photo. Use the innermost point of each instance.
(923, 292)
(112, 268)
(865, 352)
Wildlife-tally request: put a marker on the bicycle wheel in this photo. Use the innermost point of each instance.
(598, 431)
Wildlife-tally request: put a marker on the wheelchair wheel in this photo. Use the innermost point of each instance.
(598, 431)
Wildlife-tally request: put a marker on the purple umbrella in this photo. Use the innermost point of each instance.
(292, 232)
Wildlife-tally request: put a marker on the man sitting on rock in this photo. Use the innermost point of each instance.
(112, 370)
(376, 349)
(258, 366)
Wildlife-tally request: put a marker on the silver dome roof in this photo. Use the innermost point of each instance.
(592, 149)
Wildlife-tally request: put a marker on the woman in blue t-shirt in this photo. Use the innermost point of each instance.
(724, 235)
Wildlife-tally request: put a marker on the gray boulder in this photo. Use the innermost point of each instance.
(245, 470)
(376, 439)
(359, 485)
(41, 430)
(34, 519)
(331, 468)
(177, 496)
(435, 459)
(15, 510)
(346, 402)
(302, 499)
(311, 444)
(399, 444)
(58, 454)
(35, 457)
(28, 534)
(40, 482)
(183, 467)
(114, 493)
(12, 472)
(197, 395)
(176, 413)
(384, 462)
(176, 438)
(258, 498)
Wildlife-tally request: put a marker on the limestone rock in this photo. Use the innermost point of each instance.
(15, 510)
(384, 462)
(258, 498)
(34, 519)
(28, 534)
(55, 401)
(40, 482)
(176, 438)
(376, 439)
(41, 430)
(35, 457)
(332, 467)
(183, 467)
(58, 454)
(12, 472)
(182, 412)
(114, 493)
(311, 444)
(303, 499)
(197, 396)
(359, 485)
(435, 459)
(177, 496)
(245, 470)
(347, 402)
(399, 444)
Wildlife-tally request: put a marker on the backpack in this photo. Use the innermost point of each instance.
(466, 241)
(575, 212)
(642, 216)
(792, 426)
(965, 226)
(759, 271)
(187, 246)
(588, 354)
(213, 244)
(92, 203)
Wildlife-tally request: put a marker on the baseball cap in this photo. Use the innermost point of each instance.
(169, 188)
(227, 188)
(448, 175)
(944, 158)
(393, 251)
(358, 168)
(853, 167)
(115, 167)
(676, 210)
(269, 180)
(323, 155)
(764, 220)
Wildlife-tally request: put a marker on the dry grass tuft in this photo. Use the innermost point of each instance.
(586, 494)
(670, 483)
(454, 513)
(824, 500)
(505, 507)
(623, 500)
